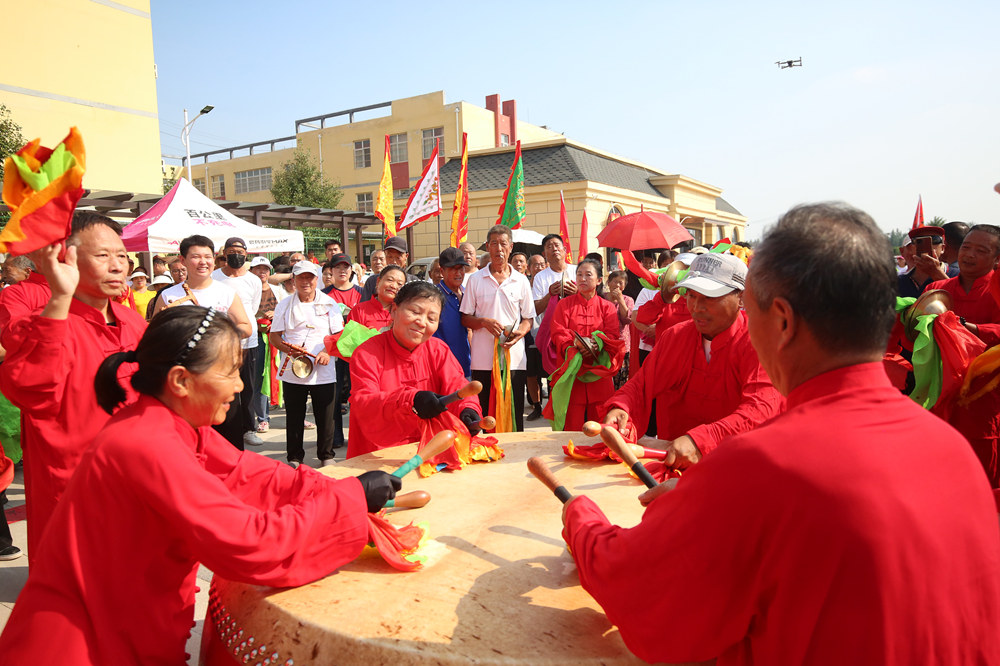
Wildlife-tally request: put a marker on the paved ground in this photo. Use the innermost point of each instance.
(14, 573)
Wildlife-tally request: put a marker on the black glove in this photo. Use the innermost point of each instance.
(379, 488)
(471, 420)
(427, 404)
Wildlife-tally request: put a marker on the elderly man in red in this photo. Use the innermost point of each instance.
(53, 355)
(815, 538)
(703, 373)
(978, 305)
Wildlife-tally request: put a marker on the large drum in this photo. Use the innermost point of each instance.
(502, 587)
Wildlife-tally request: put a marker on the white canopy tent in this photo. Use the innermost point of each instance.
(184, 211)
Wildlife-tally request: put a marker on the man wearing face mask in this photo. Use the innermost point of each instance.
(237, 276)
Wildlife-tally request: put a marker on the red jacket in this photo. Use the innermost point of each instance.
(977, 306)
(818, 538)
(20, 300)
(664, 315)
(577, 314)
(371, 314)
(115, 582)
(706, 401)
(49, 373)
(385, 377)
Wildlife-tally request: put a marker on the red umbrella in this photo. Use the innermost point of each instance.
(643, 231)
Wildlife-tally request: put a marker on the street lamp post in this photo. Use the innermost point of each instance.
(319, 137)
(186, 138)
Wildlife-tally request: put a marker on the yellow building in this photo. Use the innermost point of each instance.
(88, 64)
(349, 147)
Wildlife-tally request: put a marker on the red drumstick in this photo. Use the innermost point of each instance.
(470, 389)
(413, 500)
(542, 472)
(613, 439)
(488, 423)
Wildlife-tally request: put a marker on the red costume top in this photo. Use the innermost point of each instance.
(20, 300)
(980, 420)
(385, 377)
(372, 314)
(115, 583)
(707, 401)
(977, 306)
(818, 538)
(49, 373)
(584, 316)
(664, 315)
(349, 297)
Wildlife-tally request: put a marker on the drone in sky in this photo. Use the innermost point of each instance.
(786, 64)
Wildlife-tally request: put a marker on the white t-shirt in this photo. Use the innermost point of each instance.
(644, 297)
(306, 326)
(508, 302)
(217, 296)
(249, 289)
(545, 278)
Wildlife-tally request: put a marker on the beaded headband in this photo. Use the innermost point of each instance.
(196, 338)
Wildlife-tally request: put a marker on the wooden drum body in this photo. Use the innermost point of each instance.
(501, 586)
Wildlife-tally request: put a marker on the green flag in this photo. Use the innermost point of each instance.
(512, 207)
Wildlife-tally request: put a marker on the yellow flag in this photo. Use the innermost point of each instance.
(460, 211)
(383, 205)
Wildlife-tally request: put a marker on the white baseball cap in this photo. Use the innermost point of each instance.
(301, 267)
(715, 275)
(261, 261)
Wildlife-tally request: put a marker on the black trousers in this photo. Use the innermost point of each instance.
(6, 540)
(517, 380)
(343, 393)
(323, 398)
(240, 418)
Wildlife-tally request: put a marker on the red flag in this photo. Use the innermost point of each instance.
(583, 237)
(564, 228)
(918, 217)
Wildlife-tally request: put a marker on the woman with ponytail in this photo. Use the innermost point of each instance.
(158, 492)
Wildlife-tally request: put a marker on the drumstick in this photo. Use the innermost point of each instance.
(542, 472)
(414, 500)
(470, 389)
(591, 428)
(300, 350)
(613, 439)
(439, 443)
(488, 423)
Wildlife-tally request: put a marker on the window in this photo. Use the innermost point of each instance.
(199, 184)
(362, 154)
(397, 148)
(402, 194)
(504, 140)
(365, 203)
(253, 180)
(219, 187)
(429, 136)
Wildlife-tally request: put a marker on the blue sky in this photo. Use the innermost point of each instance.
(895, 99)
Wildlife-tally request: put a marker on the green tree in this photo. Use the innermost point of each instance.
(299, 182)
(896, 237)
(11, 140)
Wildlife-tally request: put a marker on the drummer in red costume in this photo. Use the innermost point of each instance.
(703, 373)
(115, 582)
(375, 312)
(973, 300)
(817, 538)
(52, 357)
(399, 376)
(583, 314)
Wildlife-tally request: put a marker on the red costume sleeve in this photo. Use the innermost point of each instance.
(561, 330)
(36, 369)
(759, 401)
(650, 311)
(255, 521)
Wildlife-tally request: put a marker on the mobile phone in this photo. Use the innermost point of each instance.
(924, 244)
